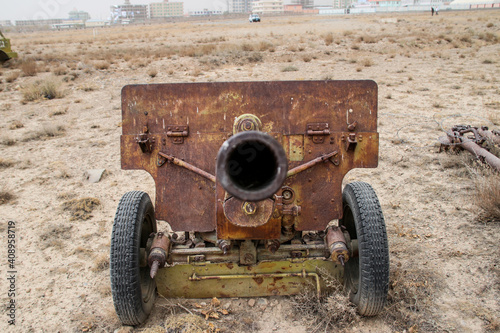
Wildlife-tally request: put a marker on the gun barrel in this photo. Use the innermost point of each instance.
(251, 166)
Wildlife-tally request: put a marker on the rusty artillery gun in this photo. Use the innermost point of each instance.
(249, 178)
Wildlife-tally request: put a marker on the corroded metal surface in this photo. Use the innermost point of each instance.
(232, 280)
(248, 214)
(344, 113)
(5, 50)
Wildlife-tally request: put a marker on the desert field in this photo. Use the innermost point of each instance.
(60, 112)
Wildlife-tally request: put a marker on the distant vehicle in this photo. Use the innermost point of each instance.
(5, 50)
(254, 18)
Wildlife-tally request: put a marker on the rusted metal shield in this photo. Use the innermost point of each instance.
(248, 214)
(190, 201)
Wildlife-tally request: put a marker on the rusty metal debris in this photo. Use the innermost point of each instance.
(456, 138)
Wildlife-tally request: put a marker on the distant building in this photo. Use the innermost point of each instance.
(292, 8)
(299, 9)
(128, 13)
(5, 23)
(27, 23)
(385, 3)
(304, 3)
(79, 15)
(267, 7)
(343, 3)
(239, 6)
(205, 12)
(166, 9)
(69, 24)
(96, 24)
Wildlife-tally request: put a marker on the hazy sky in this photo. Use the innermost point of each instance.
(98, 9)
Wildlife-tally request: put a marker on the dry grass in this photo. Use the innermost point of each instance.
(367, 62)
(60, 70)
(290, 69)
(487, 193)
(81, 209)
(16, 124)
(101, 263)
(13, 76)
(29, 67)
(6, 197)
(411, 291)
(48, 89)
(89, 86)
(102, 65)
(47, 131)
(8, 141)
(186, 323)
(331, 313)
(152, 72)
(4, 164)
(328, 38)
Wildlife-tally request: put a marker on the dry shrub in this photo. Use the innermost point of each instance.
(306, 58)
(255, 57)
(367, 39)
(247, 47)
(152, 72)
(290, 69)
(88, 86)
(102, 65)
(411, 291)
(6, 197)
(186, 323)
(29, 67)
(265, 46)
(4, 164)
(101, 263)
(12, 76)
(48, 89)
(328, 38)
(487, 196)
(328, 314)
(489, 37)
(81, 209)
(105, 321)
(59, 112)
(16, 124)
(54, 233)
(6, 141)
(367, 62)
(60, 70)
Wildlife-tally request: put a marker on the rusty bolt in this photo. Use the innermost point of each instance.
(273, 245)
(224, 245)
(352, 127)
(249, 208)
(287, 194)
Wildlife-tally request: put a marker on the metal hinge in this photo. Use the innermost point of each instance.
(318, 131)
(178, 132)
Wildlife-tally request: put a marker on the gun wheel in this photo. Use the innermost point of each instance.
(133, 289)
(366, 276)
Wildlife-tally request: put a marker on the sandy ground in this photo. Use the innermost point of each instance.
(432, 72)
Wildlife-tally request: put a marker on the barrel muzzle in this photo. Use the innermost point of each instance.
(251, 166)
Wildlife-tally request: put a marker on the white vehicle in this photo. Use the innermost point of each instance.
(254, 18)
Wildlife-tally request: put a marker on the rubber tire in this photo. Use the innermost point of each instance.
(133, 290)
(366, 277)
